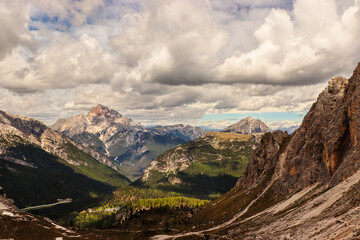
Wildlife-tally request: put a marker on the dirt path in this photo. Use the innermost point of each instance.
(63, 201)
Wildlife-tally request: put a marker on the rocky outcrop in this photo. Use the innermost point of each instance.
(186, 132)
(264, 159)
(27, 126)
(302, 186)
(323, 148)
(103, 124)
(128, 143)
(248, 125)
(26, 130)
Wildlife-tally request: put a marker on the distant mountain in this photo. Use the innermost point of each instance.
(204, 168)
(39, 165)
(248, 125)
(186, 132)
(289, 130)
(129, 144)
(101, 128)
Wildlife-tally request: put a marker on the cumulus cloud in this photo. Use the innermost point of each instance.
(171, 43)
(13, 26)
(175, 60)
(305, 49)
(65, 63)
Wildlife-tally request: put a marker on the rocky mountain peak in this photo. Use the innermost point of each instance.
(337, 84)
(28, 126)
(248, 125)
(103, 111)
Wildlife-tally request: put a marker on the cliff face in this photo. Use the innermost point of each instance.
(324, 148)
(302, 186)
(26, 130)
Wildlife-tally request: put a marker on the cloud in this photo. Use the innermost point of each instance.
(76, 12)
(65, 63)
(282, 124)
(174, 60)
(303, 48)
(171, 43)
(13, 26)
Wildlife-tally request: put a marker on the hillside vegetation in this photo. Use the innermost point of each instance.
(126, 202)
(205, 168)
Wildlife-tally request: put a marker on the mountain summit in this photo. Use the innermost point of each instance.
(100, 128)
(129, 144)
(101, 110)
(248, 125)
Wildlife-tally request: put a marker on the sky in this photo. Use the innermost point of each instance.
(202, 62)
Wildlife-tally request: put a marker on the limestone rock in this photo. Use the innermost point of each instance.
(248, 125)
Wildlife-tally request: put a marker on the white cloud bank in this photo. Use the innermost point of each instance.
(173, 60)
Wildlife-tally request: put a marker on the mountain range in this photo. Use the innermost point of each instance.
(303, 185)
(204, 168)
(39, 166)
(129, 145)
(299, 186)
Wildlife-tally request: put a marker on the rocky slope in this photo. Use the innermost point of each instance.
(50, 165)
(101, 128)
(302, 186)
(129, 144)
(186, 132)
(35, 132)
(207, 167)
(248, 125)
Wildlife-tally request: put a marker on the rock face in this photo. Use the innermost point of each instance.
(49, 164)
(302, 186)
(211, 164)
(248, 125)
(14, 127)
(100, 128)
(129, 144)
(18, 225)
(186, 132)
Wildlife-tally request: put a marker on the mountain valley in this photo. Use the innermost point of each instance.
(129, 144)
(299, 186)
(267, 185)
(39, 166)
(205, 168)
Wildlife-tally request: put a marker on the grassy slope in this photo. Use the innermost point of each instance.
(156, 145)
(219, 162)
(54, 178)
(93, 169)
(134, 200)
